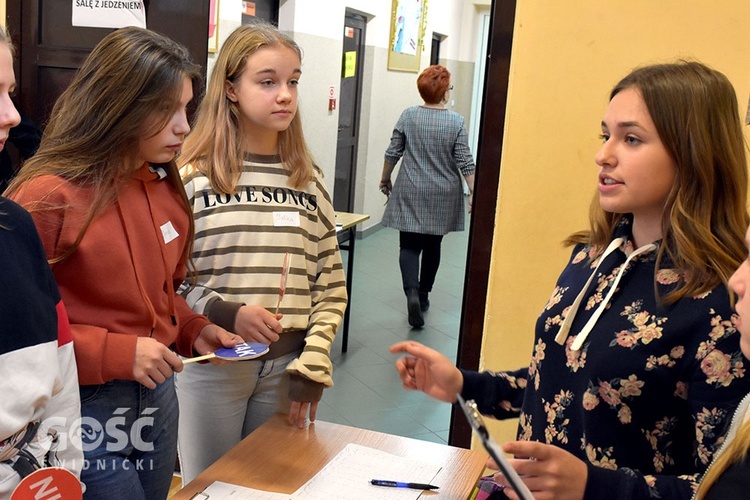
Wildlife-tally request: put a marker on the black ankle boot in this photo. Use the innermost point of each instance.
(413, 307)
(424, 302)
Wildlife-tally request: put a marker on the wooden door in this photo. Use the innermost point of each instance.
(267, 10)
(50, 49)
(350, 97)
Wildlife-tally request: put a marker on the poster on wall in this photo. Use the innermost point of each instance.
(109, 13)
(408, 23)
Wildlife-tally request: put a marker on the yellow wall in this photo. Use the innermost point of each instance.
(566, 58)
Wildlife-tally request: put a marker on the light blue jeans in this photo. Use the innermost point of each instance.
(129, 440)
(222, 404)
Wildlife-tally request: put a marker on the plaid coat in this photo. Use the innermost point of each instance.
(427, 196)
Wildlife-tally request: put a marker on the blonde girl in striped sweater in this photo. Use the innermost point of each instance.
(257, 196)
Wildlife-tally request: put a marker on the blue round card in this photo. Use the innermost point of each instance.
(243, 351)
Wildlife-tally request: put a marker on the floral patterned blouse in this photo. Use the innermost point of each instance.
(647, 399)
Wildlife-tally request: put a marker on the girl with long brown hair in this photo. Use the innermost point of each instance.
(40, 404)
(109, 205)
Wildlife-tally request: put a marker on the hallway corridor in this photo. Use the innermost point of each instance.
(367, 392)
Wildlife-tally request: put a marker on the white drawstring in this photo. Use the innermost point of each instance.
(581, 337)
(578, 342)
(562, 335)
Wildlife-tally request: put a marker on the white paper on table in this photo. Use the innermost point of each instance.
(349, 473)
(225, 491)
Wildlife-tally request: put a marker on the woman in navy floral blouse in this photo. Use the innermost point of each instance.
(636, 366)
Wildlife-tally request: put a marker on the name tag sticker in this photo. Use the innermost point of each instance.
(169, 232)
(286, 219)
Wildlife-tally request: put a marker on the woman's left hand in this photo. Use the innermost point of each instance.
(298, 413)
(549, 471)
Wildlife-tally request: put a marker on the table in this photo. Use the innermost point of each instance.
(346, 221)
(277, 457)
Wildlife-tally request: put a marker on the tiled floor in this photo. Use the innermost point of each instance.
(367, 392)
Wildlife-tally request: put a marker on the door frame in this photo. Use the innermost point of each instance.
(480, 68)
(486, 182)
(361, 20)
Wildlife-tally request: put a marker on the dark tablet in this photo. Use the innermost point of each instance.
(477, 423)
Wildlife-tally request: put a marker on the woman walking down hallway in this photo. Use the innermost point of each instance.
(427, 200)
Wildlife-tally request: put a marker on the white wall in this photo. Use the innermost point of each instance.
(318, 29)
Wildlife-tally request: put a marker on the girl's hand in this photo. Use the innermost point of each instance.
(549, 471)
(214, 337)
(428, 371)
(256, 324)
(298, 413)
(154, 362)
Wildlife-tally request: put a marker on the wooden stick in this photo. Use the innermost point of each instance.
(278, 303)
(199, 358)
(282, 284)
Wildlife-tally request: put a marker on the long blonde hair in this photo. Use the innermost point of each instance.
(214, 148)
(694, 109)
(132, 76)
(735, 452)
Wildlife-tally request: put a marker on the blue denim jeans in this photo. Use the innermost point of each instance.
(129, 440)
(222, 404)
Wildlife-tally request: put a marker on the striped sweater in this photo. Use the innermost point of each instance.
(240, 243)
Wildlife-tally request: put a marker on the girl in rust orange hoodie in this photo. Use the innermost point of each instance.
(109, 205)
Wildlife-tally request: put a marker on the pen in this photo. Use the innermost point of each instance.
(399, 484)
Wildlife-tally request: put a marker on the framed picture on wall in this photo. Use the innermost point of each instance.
(408, 22)
(213, 26)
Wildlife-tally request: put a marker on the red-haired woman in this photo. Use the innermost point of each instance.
(427, 200)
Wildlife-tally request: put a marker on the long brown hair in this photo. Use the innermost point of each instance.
(214, 148)
(133, 77)
(695, 111)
